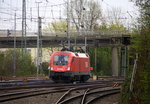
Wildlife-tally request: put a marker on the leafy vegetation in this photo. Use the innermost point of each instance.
(103, 63)
(141, 86)
(24, 65)
(56, 26)
(45, 65)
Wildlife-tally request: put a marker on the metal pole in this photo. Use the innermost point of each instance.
(79, 21)
(38, 39)
(133, 73)
(38, 44)
(96, 60)
(22, 26)
(14, 71)
(68, 23)
(25, 32)
(38, 50)
(23, 41)
(126, 60)
(85, 43)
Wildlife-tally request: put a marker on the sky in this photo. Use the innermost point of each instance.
(51, 10)
(124, 5)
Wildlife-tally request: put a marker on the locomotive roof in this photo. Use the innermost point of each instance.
(83, 55)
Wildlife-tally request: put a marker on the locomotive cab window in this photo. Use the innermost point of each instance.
(61, 60)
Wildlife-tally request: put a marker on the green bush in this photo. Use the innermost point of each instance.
(103, 60)
(45, 68)
(24, 65)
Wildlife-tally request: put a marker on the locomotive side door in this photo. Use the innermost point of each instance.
(83, 64)
(75, 64)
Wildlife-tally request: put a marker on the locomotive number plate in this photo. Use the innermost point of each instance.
(59, 68)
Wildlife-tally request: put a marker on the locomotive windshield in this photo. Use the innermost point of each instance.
(61, 60)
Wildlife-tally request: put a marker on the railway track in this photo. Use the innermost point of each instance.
(87, 96)
(28, 93)
(35, 92)
(11, 85)
(80, 90)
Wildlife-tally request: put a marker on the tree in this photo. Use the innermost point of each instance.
(114, 15)
(103, 63)
(85, 14)
(56, 26)
(142, 79)
(114, 20)
(116, 27)
(141, 85)
(24, 65)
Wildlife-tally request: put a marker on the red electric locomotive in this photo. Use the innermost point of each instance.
(66, 66)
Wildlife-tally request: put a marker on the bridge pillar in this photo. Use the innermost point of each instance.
(115, 64)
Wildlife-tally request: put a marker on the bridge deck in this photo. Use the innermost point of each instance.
(53, 41)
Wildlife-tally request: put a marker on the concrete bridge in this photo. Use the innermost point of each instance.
(56, 41)
(96, 39)
(115, 38)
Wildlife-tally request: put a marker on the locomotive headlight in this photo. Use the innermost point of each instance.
(52, 68)
(68, 68)
(49, 68)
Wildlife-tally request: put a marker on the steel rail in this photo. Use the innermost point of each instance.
(29, 91)
(24, 82)
(89, 93)
(31, 95)
(66, 93)
(102, 95)
(48, 84)
(101, 79)
(56, 89)
(39, 85)
(81, 87)
(83, 98)
(29, 80)
(17, 93)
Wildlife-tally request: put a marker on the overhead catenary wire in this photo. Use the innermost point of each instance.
(11, 7)
(49, 12)
(52, 12)
(60, 12)
(30, 10)
(49, 6)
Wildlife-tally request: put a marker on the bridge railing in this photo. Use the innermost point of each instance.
(4, 33)
(87, 33)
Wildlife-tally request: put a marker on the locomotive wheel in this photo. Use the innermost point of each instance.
(67, 80)
(84, 78)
